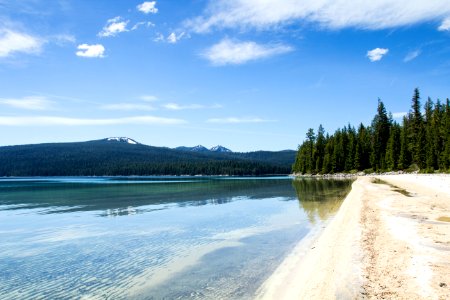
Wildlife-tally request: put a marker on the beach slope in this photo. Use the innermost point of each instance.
(389, 240)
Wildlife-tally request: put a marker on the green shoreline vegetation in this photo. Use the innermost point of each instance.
(420, 142)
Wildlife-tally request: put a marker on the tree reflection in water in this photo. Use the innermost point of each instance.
(321, 198)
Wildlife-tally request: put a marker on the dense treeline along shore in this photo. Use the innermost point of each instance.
(108, 157)
(420, 142)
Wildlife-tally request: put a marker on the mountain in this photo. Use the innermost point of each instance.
(201, 148)
(121, 140)
(219, 148)
(124, 156)
(198, 148)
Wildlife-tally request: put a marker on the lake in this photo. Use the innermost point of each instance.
(153, 237)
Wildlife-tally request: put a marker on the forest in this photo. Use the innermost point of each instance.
(111, 158)
(421, 142)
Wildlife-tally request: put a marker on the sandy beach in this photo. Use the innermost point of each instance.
(389, 240)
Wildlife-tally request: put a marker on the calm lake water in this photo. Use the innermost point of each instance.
(153, 237)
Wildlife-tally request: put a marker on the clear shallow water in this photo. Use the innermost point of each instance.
(153, 237)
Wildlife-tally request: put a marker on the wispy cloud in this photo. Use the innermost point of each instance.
(113, 27)
(85, 50)
(148, 98)
(61, 39)
(445, 25)
(128, 106)
(30, 103)
(148, 7)
(173, 38)
(233, 52)
(377, 54)
(175, 106)
(235, 120)
(159, 37)
(12, 42)
(399, 115)
(412, 55)
(140, 24)
(331, 14)
(64, 121)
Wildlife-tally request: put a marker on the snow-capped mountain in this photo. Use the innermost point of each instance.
(220, 148)
(122, 140)
(198, 148)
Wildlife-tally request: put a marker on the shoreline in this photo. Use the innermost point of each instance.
(386, 241)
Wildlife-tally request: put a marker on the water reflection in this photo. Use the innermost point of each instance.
(122, 198)
(321, 198)
(213, 238)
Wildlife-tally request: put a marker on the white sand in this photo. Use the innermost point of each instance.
(381, 245)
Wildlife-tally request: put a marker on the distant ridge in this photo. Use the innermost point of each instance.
(122, 140)
(220, 148)
(123, 156)
(200, 148)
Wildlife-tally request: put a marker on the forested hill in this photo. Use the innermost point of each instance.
(122, 157)
(420, 142)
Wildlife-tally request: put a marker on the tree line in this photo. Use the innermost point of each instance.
(111, 158)
(420, 142)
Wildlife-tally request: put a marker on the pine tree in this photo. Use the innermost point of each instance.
(381, 126)
(351, 149)
(404, 159)
(438, 133)
(417, 133)
(431, 160)
(393, 147)
(319, 152)
(445, 156)
(327, 159)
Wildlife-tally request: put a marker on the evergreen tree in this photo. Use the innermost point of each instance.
(381, 126)
(404, 159)
(311, 137)
(438, 133)
(351, 149)
(327, 160)
(417, 135)
(393, 147)
(319, 152)
(445, 156)
(385, 145)
(431, 159)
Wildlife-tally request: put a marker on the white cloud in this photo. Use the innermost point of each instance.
(173, 38)
(175, 106)
(234, 120)
(159, 37)
(445, 25)
(62, 39)
(64, 121)
(231, 52)
(128, 106)
(332, 14)
(148, 98)
(113, 27)
(139, 24)
(85, 50)
(399, 115)
(148, 7)
(18, 42)
(377, 54)
(412, 55)
(31, 103)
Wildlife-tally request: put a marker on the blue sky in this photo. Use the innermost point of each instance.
(249, 75)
